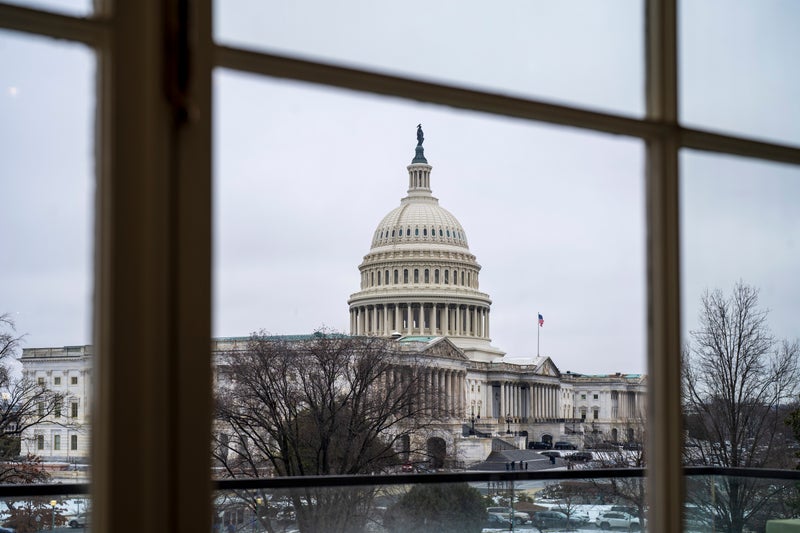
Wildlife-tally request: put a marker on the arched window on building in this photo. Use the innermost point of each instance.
(416, 275)
(405, 275)
(427, 276)
(386, 278)
(446, 277)
(396, 277)
(371, 279)
(379, 277)
(462, 277)
(436, 276)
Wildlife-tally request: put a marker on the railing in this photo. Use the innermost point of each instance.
(388, 503)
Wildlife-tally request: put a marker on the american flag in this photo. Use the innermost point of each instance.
(541, 320)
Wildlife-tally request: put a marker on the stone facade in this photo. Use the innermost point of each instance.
(64, 436)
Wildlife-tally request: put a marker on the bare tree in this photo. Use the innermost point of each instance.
(608, 453)
(328, 404)
(23, 405)
(736, 376)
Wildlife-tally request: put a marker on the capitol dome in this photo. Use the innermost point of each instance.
(419, 221)
(419, 278)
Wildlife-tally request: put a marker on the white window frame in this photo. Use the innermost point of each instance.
(153, 300)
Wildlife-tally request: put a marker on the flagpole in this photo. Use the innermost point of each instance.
(538, 327)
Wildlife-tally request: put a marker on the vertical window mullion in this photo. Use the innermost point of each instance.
(153, 303)
(665, 480)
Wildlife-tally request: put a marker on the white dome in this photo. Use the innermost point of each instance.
(419, 220)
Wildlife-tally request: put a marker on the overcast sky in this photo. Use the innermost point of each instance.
(303, 174)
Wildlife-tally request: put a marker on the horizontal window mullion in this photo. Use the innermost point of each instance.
(89, 31)
(453, 96)
(727, 144)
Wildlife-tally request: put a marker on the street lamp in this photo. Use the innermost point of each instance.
(53, 504)
(259, 501)
(508, 423)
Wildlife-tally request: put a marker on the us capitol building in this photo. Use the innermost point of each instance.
(420, 287)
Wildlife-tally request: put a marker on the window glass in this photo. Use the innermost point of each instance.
(47, 152)
(67, 7)
(740, 254)
(735, 72)
(589, 54)
(588, 249)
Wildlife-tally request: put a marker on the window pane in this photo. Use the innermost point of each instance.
(737, 68)
(740, 229)
(47, 220)
(307, 181)
(589, 54)
(67, 7)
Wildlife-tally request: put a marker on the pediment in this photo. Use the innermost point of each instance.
(443, 347)
(548, 368)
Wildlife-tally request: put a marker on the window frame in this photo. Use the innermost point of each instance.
(153, 302)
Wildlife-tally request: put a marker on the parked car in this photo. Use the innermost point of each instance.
(630, 509)
(551, 453)
(80, 520)
(517, 517)
(550, 519)
(613, 519)
(407, 467)
(496, 521)
(564, 445)
(539, 445)
(576, 518)
(581, 456)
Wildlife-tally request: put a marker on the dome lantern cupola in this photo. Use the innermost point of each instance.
(419, 171)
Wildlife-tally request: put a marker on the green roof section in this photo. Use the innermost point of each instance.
(417, 339)
(290, 338)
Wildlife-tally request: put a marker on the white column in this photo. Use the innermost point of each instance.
(408, 319)
(502, 399)
(447, 397)
(463, 396)
(435, 318)
(440, 393)
(530, 402)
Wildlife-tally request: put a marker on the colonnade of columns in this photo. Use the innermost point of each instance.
(442, 391)
(531, 401)
(628, 405)
(421, 318)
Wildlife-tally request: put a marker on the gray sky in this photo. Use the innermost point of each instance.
(303, 174)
